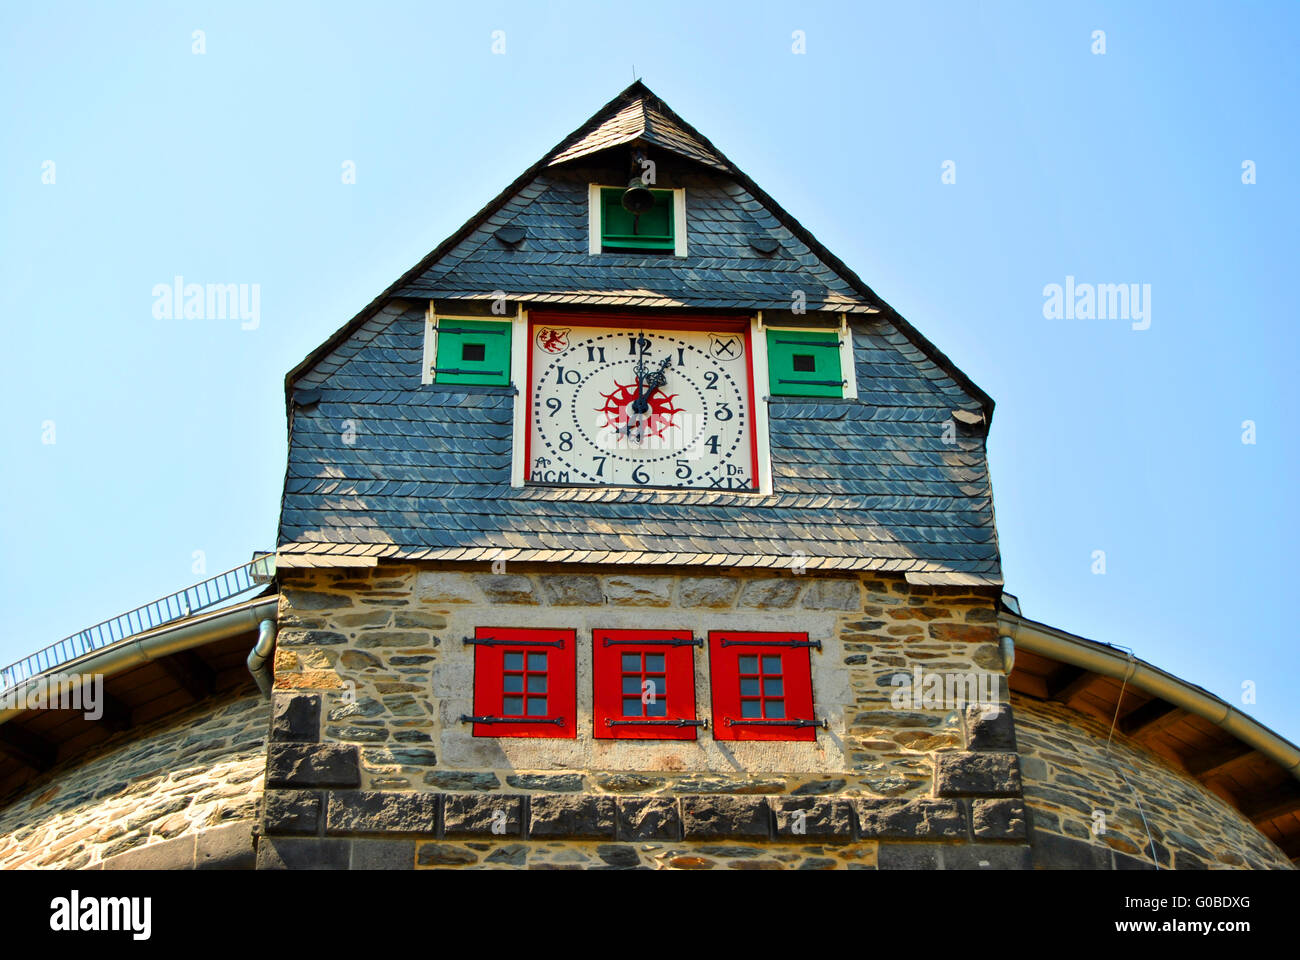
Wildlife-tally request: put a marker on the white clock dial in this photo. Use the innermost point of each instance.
(619, 406)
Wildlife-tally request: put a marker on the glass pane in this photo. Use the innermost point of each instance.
(537, 683)
(657, 686)
(657, 709)
(631, 662)
(537, 706)
(631, 706)
(632, 685)
(513, 706)
(749, 664)
(772, 687)
(750, 708)
(749, 686)
(771, 664)
(776, 709)
(514, 683)
(537, 661)
(514, 661)
(654, 663)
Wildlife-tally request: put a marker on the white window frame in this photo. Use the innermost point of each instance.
(593, 219)
(848, 364)
(431, 320)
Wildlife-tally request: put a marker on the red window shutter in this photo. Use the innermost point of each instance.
(524, 674)
(752, 679)
(630, 665)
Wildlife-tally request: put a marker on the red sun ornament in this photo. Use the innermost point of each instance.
(618, 411)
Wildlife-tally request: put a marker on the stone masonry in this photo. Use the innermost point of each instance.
(179, 793)
(369, 765)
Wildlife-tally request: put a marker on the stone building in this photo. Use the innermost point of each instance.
(631, 528)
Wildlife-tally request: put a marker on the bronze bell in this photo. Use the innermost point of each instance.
(637, 198)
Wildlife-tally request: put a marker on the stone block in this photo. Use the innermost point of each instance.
(638, 591)
(907, 819)
(373, 811)
(312, 765)
(976, 774)
(833, 595)
(1052, 852)
(715, 817)
(506, 588)
(819, 818)
(573, 591)
(228, 847)
(370, 854)
(292, 811)
(776, 593)
(712, 592)
(295, 717)
(648, 818)
(303, 853)
(990, 726)
(574, 817)
(998, 820)
(467, 815)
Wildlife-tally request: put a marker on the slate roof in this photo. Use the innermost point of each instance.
(865, 484)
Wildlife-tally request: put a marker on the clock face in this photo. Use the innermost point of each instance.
(640, 407)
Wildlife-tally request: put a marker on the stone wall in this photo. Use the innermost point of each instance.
(1071, 782)
(369, 762)
(182, 792)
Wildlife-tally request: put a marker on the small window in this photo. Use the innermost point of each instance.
(804, 363)
(524, 683)
(644, 685)
(473, 352)
(623, 230)
(762, 686)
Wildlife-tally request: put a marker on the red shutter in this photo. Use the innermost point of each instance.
(760, 676)
(521, 674)
(628, 665)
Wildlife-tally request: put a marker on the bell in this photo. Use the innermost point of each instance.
(637, 198)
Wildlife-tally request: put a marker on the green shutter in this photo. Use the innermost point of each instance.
(473, 352)
(620, 230)
(804, 363)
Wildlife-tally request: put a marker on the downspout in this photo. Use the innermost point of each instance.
(259, 658)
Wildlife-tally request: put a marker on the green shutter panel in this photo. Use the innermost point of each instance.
(620, 230)
(804, 363)
(473, 352)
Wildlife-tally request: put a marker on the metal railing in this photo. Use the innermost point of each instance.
(175, 606)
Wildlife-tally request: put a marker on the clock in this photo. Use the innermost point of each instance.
(631, 402)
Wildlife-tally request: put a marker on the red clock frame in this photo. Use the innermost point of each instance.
(730, 323)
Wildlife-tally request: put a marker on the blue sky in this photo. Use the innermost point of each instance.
(225, 167)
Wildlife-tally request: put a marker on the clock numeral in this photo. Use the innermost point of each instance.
(600, 467)
(553, 404)
(639, 345)
(712, 379)
(713, 443)
(681, 357)
(683, 465)
(566, 441)
(567, 376)
(723, 412)
(593, 352)
(640, 476)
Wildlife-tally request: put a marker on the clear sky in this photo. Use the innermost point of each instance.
(226, 166)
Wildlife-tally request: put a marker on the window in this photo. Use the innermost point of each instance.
(762, 686)
(524, 683)
(472, 352)
(614, 228)
(644, 685)
(805, 363)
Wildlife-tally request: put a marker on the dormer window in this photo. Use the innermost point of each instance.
(615, 229)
